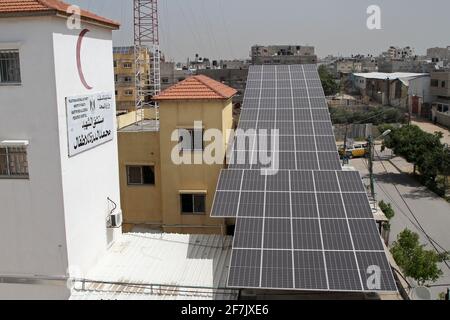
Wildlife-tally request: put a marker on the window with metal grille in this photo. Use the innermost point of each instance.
(141, 175)
(193, 203)
(13, 162)
(9, 67)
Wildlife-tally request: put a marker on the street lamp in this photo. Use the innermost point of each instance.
(371, 146)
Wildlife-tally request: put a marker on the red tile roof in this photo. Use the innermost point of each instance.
(197, 88)
(17, 8)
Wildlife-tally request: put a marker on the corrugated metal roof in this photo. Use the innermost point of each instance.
(161, 266)
(390, 76)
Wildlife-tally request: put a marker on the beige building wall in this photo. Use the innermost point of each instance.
(159, 206)
(141, 204)
(122, 62)
(215, 114)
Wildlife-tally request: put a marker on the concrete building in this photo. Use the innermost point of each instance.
(391, 88)
(234, 64)
(158, 193)
(125, 75)
(405, 66)
(235, 78)
(59, 183)
(420, 98)
(440, 87)
(283, 54)
(398, 53)
(439, 54)
(171, 75)
(344, 66)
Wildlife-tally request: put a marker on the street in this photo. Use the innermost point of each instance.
(432, 212)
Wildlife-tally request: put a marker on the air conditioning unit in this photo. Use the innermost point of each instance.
(114, 220)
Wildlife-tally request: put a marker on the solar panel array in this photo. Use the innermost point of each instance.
(308, 225)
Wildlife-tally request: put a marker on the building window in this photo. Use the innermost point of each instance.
(13, 162)
(115, 64)
(193, 203)
(127, 79)
(191, 139)
(9, 67)
(128, 92)
(181, 79)
(443, 84)
(165, 80)
(128, 65)
(141, 175)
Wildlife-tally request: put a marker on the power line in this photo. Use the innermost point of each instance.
(433, 242)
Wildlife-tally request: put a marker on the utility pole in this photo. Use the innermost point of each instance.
(344, 156)
(371, 146)
(372, 183)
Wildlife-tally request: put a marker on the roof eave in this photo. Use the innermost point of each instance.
(61, 14)
(20, 14)
(110, 25)
(192, 99)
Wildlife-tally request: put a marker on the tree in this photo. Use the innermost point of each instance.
(330, 87)
(415, 261)
(388, 212)
(420, 148)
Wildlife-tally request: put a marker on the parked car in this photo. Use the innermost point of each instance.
(357, 150)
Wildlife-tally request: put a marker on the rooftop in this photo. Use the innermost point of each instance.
(144, 125)
(390, 76)
(157, 266)
(23, 8)
(198, 87)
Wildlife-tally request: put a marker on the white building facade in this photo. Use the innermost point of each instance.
(55, 201)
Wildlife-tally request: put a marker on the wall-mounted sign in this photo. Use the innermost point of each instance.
(89, 121)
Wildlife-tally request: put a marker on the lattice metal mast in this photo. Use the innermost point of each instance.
(147, 55)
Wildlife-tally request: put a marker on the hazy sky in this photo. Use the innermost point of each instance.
(228, 28)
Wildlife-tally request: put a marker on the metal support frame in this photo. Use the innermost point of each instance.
(147, 56)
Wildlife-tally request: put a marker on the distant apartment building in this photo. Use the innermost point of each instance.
(283, 54)
(59, 182)
(398, 53)
(439, 54)
(158, 193)
(171, 75)
(409, 65)
(125, 76)
(440, 87)
(345, 66)
(234, 64)
(235, 78)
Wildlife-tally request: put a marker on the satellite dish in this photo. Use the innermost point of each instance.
(421, 293)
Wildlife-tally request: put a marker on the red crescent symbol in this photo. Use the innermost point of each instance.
(80, 69)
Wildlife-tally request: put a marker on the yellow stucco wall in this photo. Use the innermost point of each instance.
(161, 203)
(140, 204)
(215, 114)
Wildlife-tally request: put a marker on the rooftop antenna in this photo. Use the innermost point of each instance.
(146, 42)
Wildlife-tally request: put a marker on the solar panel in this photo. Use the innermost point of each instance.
(308, 224)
